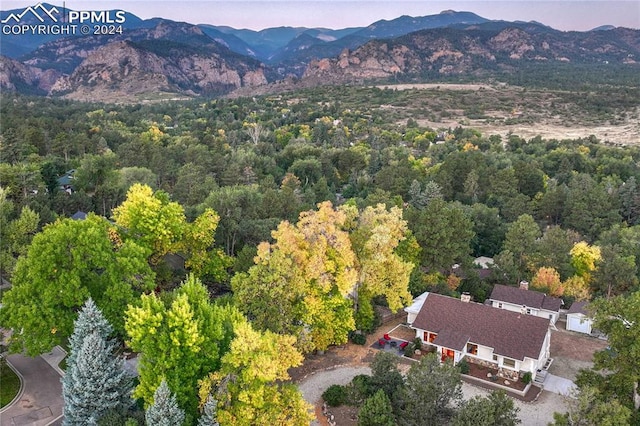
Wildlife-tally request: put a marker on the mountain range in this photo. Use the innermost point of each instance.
(160, 56)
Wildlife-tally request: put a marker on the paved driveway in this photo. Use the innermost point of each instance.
(559, 385)
(40, 401)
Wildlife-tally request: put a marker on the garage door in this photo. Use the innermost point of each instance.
(574, 324)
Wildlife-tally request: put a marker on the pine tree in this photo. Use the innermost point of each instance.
(164, 411)
(376, 411)
(89, 319)
(209, 413)
(95, 383)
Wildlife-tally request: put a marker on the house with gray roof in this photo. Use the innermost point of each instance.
(511, 342)
(530, 302)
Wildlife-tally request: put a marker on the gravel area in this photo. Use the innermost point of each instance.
(537, 413)
(313, 386)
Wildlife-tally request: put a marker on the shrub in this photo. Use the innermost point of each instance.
(409, 350)
(463, 365)
(358, 339)
(417, 343)
(526, 378)
(334, 396)
(359, 389)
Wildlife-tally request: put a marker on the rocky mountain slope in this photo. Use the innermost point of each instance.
(18, 77)
(475, 49)
(164, 58)
(169, 58)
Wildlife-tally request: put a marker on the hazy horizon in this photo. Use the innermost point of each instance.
(336, 14)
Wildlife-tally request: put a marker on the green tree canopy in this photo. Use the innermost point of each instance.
(181, 339)
(248, 385)
(619, 319)
(159, 224)
(16, 233)
(151, 219)
(376, 411)
(375, 238)
(591, 408)
(431, 392)
(443, 231)
(497, 409)
(68, 262)
(520, 241)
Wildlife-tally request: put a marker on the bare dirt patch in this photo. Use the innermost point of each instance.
(572, 352)
(575, 346)
(345, 355)
(500, 109)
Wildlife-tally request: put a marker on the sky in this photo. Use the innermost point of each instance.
(566, 15)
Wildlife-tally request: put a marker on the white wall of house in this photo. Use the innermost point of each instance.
(579, 322)
(530, 365)
(486, 353)
(542, 313)
(413, 309)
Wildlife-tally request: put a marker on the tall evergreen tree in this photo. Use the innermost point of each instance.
(95, 383)
(96, 380)
(209, 413)
(90, 320)
(164, 411)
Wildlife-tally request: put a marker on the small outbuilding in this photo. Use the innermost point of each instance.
(578, 318)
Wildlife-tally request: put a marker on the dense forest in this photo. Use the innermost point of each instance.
(227, 194)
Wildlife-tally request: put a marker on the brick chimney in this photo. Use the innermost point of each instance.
(524, 285)
(465, 297)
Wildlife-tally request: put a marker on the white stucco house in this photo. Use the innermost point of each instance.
(530, 302)
(511, 342)
(578, 318)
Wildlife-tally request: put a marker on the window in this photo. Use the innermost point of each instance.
(472, 349)
(429, 337)
(508, 362)
(495, 358)
(528, 311)
(500, 305)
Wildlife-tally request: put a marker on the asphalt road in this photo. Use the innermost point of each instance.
(40, 401)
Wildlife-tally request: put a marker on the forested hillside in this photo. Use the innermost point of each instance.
(338, 198)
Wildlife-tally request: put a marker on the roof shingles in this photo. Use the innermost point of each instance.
(510, 334)
(529, 298)
(579, 307)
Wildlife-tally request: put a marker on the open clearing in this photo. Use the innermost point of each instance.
(500, 109)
